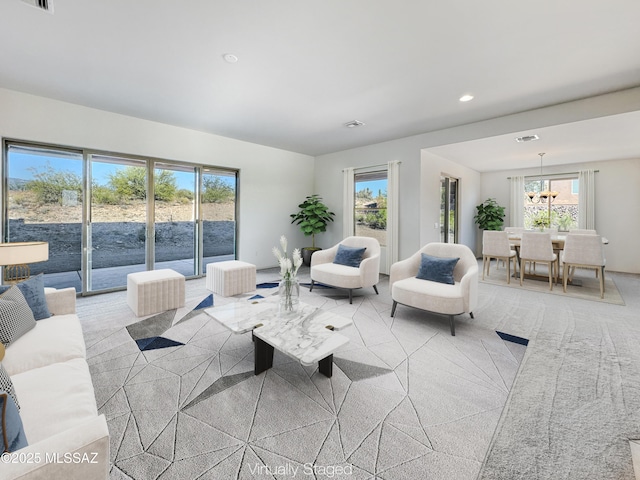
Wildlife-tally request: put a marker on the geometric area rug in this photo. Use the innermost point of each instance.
(406, 399)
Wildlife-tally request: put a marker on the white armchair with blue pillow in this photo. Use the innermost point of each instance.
(440, 278)
(353, 263)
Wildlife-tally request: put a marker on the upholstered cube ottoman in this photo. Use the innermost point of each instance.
(231, 278)
(155, 291)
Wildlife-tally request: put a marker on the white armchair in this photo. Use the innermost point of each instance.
(324, 271)
(451, 300)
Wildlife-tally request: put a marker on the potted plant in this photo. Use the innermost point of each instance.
(489, 215)
(313, 218)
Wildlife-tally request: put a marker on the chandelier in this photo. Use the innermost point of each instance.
(544, 195)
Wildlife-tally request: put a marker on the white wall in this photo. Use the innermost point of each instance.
(272, 182)
(617, 212)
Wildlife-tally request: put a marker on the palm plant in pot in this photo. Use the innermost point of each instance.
(313, 218)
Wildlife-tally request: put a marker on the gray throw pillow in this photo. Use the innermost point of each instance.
(12, 435)
(437, 269)
(33, 291)
(349, 256)
(16, 317)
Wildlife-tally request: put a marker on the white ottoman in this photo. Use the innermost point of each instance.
(231, 278)
(155, 291)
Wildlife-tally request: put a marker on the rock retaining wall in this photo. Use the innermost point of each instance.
(120, 243)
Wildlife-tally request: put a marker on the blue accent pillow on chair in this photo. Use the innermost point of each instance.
(33, 291)
(349, 256)
(437, 269)
(12, 435)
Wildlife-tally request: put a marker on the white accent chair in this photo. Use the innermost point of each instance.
(583, 251)
(441, 298)
(495, 244)
(536, 247)
(324, 271)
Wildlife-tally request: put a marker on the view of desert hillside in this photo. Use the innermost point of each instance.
(23, 205)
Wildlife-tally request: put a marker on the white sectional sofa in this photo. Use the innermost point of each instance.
(67, 439)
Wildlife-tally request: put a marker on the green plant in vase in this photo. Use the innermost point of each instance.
(313, 217)
(489, 215)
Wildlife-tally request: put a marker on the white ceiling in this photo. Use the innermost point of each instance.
(613, 137)
(307, 67)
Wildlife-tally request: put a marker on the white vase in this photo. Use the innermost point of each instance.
(289, 292)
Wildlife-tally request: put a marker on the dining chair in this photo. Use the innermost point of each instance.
(583, 251)
(537, 247)
(495, 244)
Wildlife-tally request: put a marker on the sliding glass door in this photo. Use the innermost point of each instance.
(448, 209)
(218, 214)
(107, 215)
(174, 192)
(117, 230)
(43, 199)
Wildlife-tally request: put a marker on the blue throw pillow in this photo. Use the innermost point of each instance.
(12, 435)
(437, 269)
(33, 291)
(349, 256)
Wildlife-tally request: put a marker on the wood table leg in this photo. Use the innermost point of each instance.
(263, 355)
(326, 366)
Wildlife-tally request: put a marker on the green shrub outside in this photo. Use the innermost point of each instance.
(49, 184)
(215, 190)
(124, 185)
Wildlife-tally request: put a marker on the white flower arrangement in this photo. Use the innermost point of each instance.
(288, 266)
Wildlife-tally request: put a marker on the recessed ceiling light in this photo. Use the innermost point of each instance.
(466, 98)
(527, 138)
(230, 58)
(354, 123)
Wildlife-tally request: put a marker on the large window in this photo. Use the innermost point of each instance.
(371, 205)
(101, 204)
(560, 213)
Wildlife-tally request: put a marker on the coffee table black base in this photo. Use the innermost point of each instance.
(263, 358)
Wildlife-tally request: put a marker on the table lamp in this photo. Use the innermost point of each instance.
(16, 256)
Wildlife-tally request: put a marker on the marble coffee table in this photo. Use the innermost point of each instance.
(307, 335)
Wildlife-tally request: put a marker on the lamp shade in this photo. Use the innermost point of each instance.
(19, 253)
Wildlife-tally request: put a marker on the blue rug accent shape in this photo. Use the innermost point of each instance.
(206, 303)
(255, 297)
(268, 285)
(154, 343)
(513, 339)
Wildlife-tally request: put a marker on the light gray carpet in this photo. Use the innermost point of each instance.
(406, 399)
(402, 403)
(576, 399)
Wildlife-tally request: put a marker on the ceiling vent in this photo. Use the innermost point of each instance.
(46, 5)
(354, 124)
(527, 138)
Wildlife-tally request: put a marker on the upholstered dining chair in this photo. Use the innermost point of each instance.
(537, 247)
(353, 263)
(440, 278)
(495, 244)
(583, 251)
